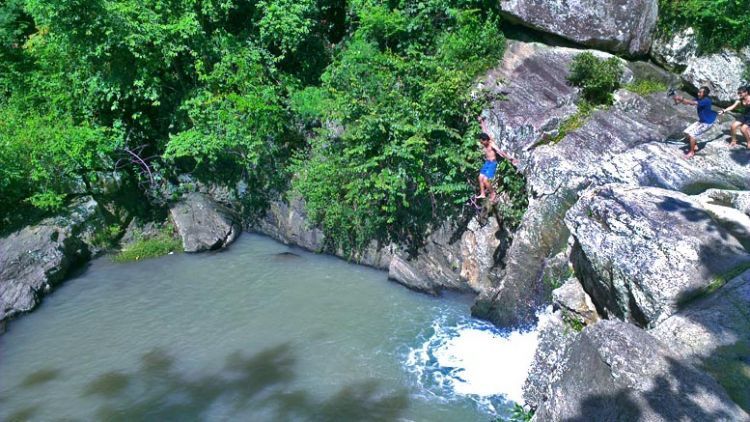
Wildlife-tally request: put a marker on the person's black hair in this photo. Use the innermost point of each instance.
(706, 90)
(483, 137)
(744, 88)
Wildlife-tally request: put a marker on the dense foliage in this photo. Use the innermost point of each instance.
(398, 148)
(368, 102)
(597, 78)
(179, 85)
(718, 23)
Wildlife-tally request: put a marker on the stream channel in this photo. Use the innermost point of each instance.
(260, 332)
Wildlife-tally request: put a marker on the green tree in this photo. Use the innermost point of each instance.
(718, 23)
(597, 78)
(397, 149)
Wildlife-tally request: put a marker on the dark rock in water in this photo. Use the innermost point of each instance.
(35, 258)
(203, 224)
(714, 333)
(643, 252)
(286, 255)
(619, 26)
(614, 371)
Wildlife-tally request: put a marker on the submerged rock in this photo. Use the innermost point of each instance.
(36, 258)
(643, 252)
(619, 26)
(615, 371)
(203, 224)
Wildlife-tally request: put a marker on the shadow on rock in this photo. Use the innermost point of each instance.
(741, 156)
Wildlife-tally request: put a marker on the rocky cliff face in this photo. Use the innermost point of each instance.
(651, 250)
(635, 142)
(459, 255)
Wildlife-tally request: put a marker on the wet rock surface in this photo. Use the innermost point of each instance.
(203, 224)
(620, 26)
(458, 255)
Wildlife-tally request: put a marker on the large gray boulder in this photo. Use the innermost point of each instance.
(36, 258)
(287, 222)
(643, 252)
(714, 333)
(204, 224)
(614, 371)
(553, 339)
(619, 26)
(574, 303)
(674, 51)
(723, 72)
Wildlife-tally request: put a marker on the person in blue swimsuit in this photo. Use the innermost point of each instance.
(487, 173)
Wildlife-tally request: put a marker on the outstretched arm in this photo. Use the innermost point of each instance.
(683, 100)
(503, 153)
(483, 124)
(730, 108)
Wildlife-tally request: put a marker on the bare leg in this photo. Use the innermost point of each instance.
(733, 133)
(693, 146)
(745, 129)
(491, 189)
(482, 178)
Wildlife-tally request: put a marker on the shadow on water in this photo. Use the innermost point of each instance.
(261, 384)
(109, 384)
(39, 377)
(25, 414)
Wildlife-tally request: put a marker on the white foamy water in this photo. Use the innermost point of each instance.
(473, 358)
